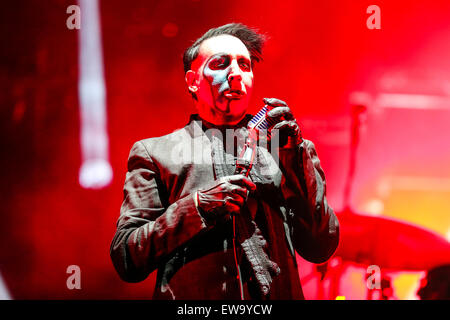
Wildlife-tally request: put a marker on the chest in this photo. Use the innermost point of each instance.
(192, 163)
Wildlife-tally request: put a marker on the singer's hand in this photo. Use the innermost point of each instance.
(286, 126)
(226, 196)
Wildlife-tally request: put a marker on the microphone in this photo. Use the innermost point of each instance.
(244, 163)
(260, 122)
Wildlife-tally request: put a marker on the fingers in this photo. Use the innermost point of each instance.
(235, 199)
(232, 207)
(238, 190)
(281, 109)
(228, 195)
(279, 112)
(290, 125)
(233, 203)
(242, 181)
(274, 102)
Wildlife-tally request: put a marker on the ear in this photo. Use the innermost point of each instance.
(191, 81)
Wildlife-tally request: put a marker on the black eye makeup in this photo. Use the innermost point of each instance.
(244, 64)
(219, 62)
(223, 61)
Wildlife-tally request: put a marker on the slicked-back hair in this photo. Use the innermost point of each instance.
(251, 38)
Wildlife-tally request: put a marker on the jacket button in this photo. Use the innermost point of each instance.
(265, 289)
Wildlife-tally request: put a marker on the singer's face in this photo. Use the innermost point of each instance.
(225, 79)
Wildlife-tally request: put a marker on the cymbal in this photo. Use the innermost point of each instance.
(389, 243)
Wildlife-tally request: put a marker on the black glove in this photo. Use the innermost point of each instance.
(286, 126)
(226, 196)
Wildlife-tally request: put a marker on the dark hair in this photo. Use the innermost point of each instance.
(251, 38)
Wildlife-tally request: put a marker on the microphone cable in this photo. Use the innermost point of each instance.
(239, 276)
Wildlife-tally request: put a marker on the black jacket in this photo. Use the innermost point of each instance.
(160, 227)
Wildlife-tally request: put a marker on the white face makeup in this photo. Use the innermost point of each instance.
(224, 79)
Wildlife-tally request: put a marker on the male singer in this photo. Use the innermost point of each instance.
(211, 233)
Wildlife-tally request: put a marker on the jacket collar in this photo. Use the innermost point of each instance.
(197, 126)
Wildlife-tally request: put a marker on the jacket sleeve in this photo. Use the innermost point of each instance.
(314, 226)
(147, 231)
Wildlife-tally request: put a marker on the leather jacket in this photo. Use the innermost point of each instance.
(160, 227)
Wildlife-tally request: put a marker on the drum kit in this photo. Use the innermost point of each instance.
(384, 243)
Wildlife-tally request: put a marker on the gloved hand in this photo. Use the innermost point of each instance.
(226, 196)
(286, 126)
